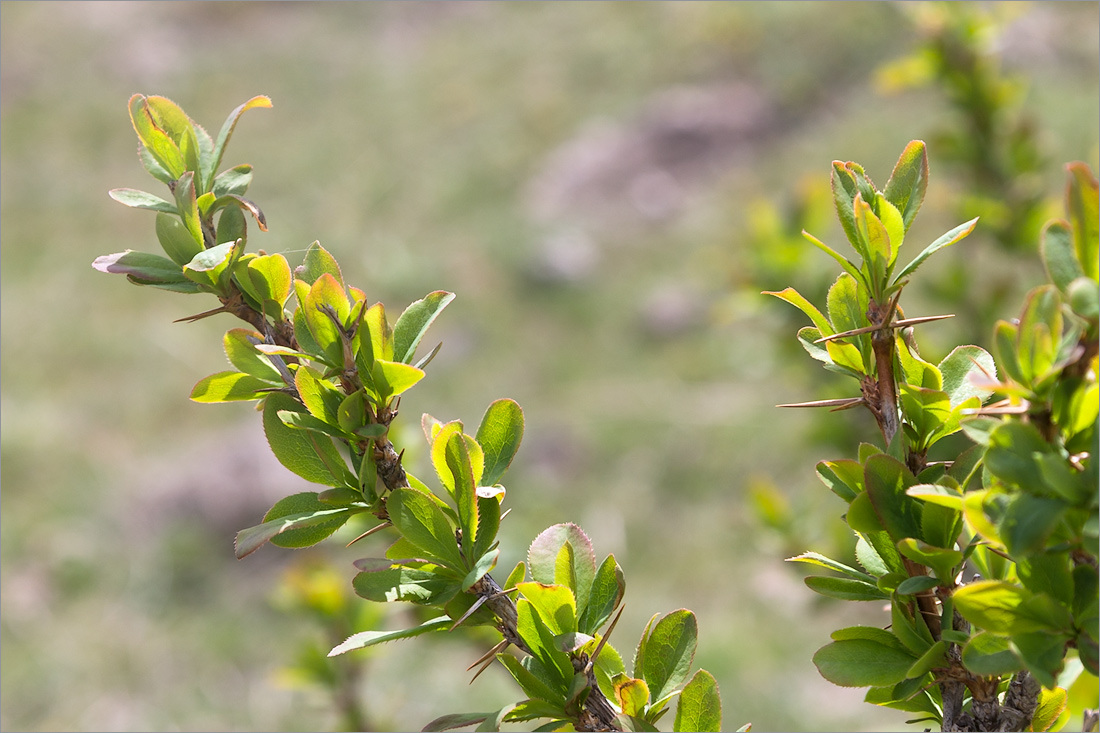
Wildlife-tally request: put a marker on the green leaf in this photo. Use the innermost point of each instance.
(271, 277)
(230, 387)
(870, 633)
(136, 199)
(392, 378)
(927, 413)
(886, 480)
(555, 605)
(320, 396)
(1042, 653)
(459, 720)
(155, 169)
(608, 588)
(304, 421)
(847, 305)
(957, 368)
(862, 516)
(862, 663)
(439, 454)
(232, 182)
(231, 225)
(532, 684)
(700, 706)
(326, 291)
(311, 456)
(995, 605)
(909, 628)
(240, 349)
(499, 436)
(484, 564)
(422, 522)
(1050, 573)
(958, 233)
(936, 656)
(365, 639)
(987, 654)
(909, 181)
(299, 520)
(154, 139)
(1060, 255)
(876, 242)
(814, 558)
(177, 241)
(1011, 455)
(318, 262)
(1039, 332)
(1050, 706)
(375, 335)
(1083, 203)
(845, 188)
(554, 665)
(207, 267)
(844, 263)
(488, 513)
(414, 322)
(942, 561)
(793, 297)
(900, 697)
(459, 464)
(210, 166)
(869, 558)
(1029, 521)
(385, 582)
(187, 205)
(665, 655)
(844, 477)
(846, 589)
(916, 584)
(519, 572)
(146, 269)
(542, 559)
(533, 709)
(940, 525)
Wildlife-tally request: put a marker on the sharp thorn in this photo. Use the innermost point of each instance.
(369, 532)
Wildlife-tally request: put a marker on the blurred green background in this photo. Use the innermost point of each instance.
(599, 183)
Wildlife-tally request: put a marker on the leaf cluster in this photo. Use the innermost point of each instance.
(1017, 509)
(327, 374)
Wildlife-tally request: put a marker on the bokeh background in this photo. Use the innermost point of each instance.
(607, 187)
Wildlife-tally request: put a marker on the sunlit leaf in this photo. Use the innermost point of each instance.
(909, 181)
(700, 706)
(542, 559)
(555, 605)
(499, 436)
(955, 235)
(668, 652)
(414, 322)
(311, 456)
(240, 349)
(370, 638)
(210, 166)
(423, 523)
(299, 520)
(230, 387)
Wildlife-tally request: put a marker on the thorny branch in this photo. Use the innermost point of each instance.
(596, 714)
